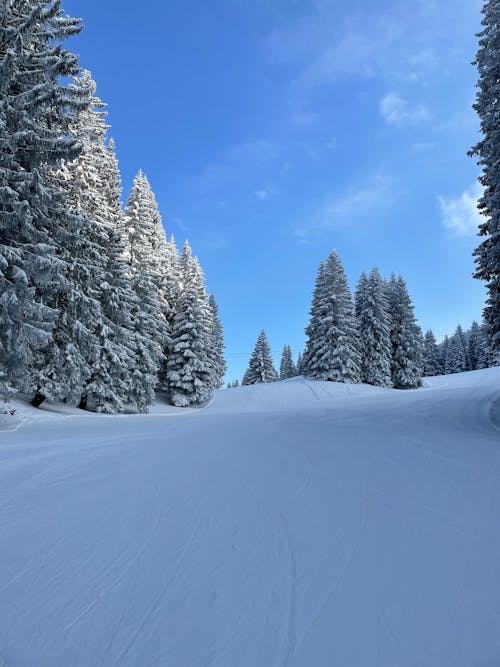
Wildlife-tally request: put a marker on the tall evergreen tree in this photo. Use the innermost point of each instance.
(487, 150)
(332, 350)
(190, 370)
(217, 348)
(432, 364)
(372, 306)
(287, 367)
(404, 335)
(260, 367)
(474, 347)
(146, 252)
(35, 111)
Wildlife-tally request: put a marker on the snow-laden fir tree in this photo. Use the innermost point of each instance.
(79, 361)
(147, 254)
(477, 347)
(287, 367)
(300, 364)
(260, 367)
(432, 364)
(217, 349)
(35, 111)
(372, 310)
(456, 353)
(404, 335)
(332, 349)
(443, 353)
(487, 254)
(190, 371)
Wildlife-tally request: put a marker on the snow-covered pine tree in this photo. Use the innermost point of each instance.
(432, 364)
(260, 367)
(287, 367)
(300, 363)
(190, 371)
(372, 309)
(217, 349)
(35, 111)
(147, 255)
(443, 353)
(474, 347)
(332, 349)
(404, 335)
(487, 150)
(456, 354)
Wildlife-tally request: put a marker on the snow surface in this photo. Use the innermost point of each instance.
(294, 524)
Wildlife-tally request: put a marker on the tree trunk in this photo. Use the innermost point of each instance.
(83, 402)
(38, 399)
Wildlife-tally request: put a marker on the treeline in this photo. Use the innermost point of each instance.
(97, 307)
(373, 338)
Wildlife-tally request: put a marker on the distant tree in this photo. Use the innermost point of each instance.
(217, 350)
(300, 364)
(456, 355)
(190, 371)
(287, 367)
(432, 364)
(404, 335)
(332, 350)
(373, 321)
(487, 150)
(261, 367)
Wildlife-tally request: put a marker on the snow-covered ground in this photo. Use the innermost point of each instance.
(294, 524)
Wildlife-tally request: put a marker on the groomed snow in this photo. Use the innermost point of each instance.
(294, 524)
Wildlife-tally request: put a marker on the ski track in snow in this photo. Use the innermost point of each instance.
(299, 524)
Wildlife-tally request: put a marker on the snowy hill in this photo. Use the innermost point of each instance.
(294, 524)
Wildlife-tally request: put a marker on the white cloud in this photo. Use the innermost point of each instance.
(366, 201)
(460, 215)
(263, 194)
(396, 111)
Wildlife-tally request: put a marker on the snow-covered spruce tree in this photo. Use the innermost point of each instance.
(487, 254)
(443, 353)
(35, 109)
(190, 371)
(287, 367)
(474, 345)
(87, 357)
(260, 367)
(332, 349)
(456, 353)
(217, 348)
(404, 335)
(432, 364)
(372, 310)
(300, 364)
(147, 254)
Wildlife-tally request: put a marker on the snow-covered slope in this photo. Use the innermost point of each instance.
(295, 524)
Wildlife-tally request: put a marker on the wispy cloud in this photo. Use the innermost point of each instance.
(396, 111)
(250, 157)
(355, 204)
(460, 215)
(263, 194)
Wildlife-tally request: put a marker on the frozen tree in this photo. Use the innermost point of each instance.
(456, 353)
(432, 364)
(190, 371)
(404, 335)
(474, 339)
(442, 353)
(332, 350)
(217, 348)
(487, 150)
(260, 367)
(146, 252)
(372, 310)
(287, 367)
(35, 110)
(300, 364)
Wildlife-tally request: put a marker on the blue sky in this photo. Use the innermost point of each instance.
(273, 131)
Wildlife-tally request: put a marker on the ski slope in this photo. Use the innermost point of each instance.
(295, 524)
